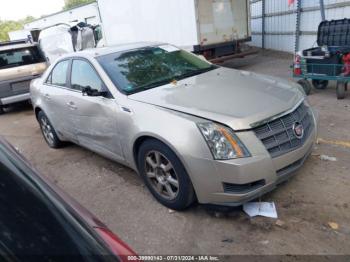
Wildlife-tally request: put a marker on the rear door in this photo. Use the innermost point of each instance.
(222, 20)
(94, 117)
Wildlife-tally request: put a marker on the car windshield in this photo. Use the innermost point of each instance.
(140, 69)
(20, 57)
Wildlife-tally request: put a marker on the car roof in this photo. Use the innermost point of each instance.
(101, 51)
(14, 46)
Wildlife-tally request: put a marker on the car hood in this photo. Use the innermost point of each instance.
(239, 99)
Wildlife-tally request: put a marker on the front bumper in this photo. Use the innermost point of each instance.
(234, 182)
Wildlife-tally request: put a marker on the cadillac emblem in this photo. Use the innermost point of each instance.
(298, 130)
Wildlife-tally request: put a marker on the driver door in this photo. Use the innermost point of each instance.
(95, 117)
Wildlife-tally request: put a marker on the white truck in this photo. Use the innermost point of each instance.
(213, 28)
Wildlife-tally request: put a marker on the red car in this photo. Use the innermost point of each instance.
(39, 222)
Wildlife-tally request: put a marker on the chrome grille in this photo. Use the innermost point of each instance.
(278, 136)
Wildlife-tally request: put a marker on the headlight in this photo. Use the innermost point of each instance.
(222, 141)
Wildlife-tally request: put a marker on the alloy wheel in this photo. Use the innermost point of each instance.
(47, 130)
(161, 175)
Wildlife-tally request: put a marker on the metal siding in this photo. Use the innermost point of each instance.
(256, 25)
(256, 8)
(256, 40)
(280, 22)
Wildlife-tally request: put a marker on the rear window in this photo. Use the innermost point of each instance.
(20, 57)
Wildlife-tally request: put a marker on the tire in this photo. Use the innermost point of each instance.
(1, 110)
(341, 87)
(305, 85)
(162, 178)
(48, 131)
(320, 84)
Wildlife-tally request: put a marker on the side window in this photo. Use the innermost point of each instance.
(84, 75)
(58, 75)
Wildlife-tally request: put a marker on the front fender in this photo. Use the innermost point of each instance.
(176, 130)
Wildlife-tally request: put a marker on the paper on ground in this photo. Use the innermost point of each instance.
(266, 209)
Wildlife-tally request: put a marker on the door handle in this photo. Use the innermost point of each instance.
(72, 106)
(47, 97)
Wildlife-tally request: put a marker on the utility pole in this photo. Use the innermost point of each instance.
(263, 24)
(297, 28)
(323, 15)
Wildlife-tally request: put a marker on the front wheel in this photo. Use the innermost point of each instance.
(164, 175)
(341, 88)
(48, 131)
(320, 84)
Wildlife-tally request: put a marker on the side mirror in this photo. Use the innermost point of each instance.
(88, 91)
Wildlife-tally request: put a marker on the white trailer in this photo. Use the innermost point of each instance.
(213, 28)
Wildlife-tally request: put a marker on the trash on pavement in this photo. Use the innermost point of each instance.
(280, 223)
(328, 158)
(266, 209)
(333, 225)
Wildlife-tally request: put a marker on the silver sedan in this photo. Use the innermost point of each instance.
(194, 131)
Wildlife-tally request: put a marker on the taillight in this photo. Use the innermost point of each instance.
(116, 246)
(346, 61)
(297, 65)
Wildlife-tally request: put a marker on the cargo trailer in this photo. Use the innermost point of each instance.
(213, 28)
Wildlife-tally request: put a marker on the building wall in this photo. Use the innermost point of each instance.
(281, 19)
(87, 13)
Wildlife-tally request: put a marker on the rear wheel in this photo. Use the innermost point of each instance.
(320, 84)
(1, 110)
(341, 88)
(305, 85)
(48, 131)
(164, 175)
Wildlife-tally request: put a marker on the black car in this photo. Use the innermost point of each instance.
(39, 222)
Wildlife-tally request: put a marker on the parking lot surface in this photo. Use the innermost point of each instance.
(317, 196)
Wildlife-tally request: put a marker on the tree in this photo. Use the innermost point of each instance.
(7, 26)
(68, 4)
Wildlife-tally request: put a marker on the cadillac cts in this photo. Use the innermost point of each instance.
(191, 129)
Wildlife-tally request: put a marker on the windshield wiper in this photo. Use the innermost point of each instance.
(169, 80)
(152, 85)
(195, 72)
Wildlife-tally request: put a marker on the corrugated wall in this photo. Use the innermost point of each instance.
(280, 22)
